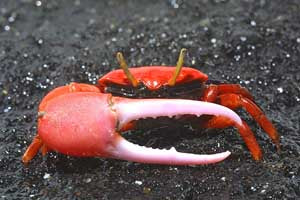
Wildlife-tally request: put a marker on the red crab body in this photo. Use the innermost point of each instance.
(85, 120)
(153, 77)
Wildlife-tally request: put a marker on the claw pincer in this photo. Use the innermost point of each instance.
(87, 124)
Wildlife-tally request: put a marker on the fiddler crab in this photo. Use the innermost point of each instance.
(86, 120)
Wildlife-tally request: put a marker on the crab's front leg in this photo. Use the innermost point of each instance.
(244, 130)
(234, 96)
(235, 101)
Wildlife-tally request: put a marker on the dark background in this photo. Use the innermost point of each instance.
(45, 44)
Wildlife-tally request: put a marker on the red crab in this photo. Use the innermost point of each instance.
(85, 120)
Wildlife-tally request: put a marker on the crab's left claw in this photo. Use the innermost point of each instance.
(87, 124)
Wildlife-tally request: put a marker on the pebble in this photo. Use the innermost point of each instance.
(46, 176)
(280, 90)
(138, 182)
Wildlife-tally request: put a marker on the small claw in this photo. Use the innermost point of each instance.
(126, 150)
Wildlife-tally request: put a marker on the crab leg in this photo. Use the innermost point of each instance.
(235, 101)
(234, 96)
(32, 150)
(213, 91)
(244, 130)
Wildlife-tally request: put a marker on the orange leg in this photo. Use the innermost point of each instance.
(37, 142)
(235, 89)
(235, 101)
(210, 94)
(45, 150)
(234, 96)
(212, 91)
(33, 149)
(244, 130)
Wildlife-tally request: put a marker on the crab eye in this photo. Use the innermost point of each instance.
(179, 64)
(124, 66)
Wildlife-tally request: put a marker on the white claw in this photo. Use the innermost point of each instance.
(128, 110)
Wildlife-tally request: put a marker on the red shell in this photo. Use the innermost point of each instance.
(152, 77)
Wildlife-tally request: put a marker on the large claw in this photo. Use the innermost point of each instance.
(86, 124)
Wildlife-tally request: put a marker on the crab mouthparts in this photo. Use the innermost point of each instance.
(128, 110)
